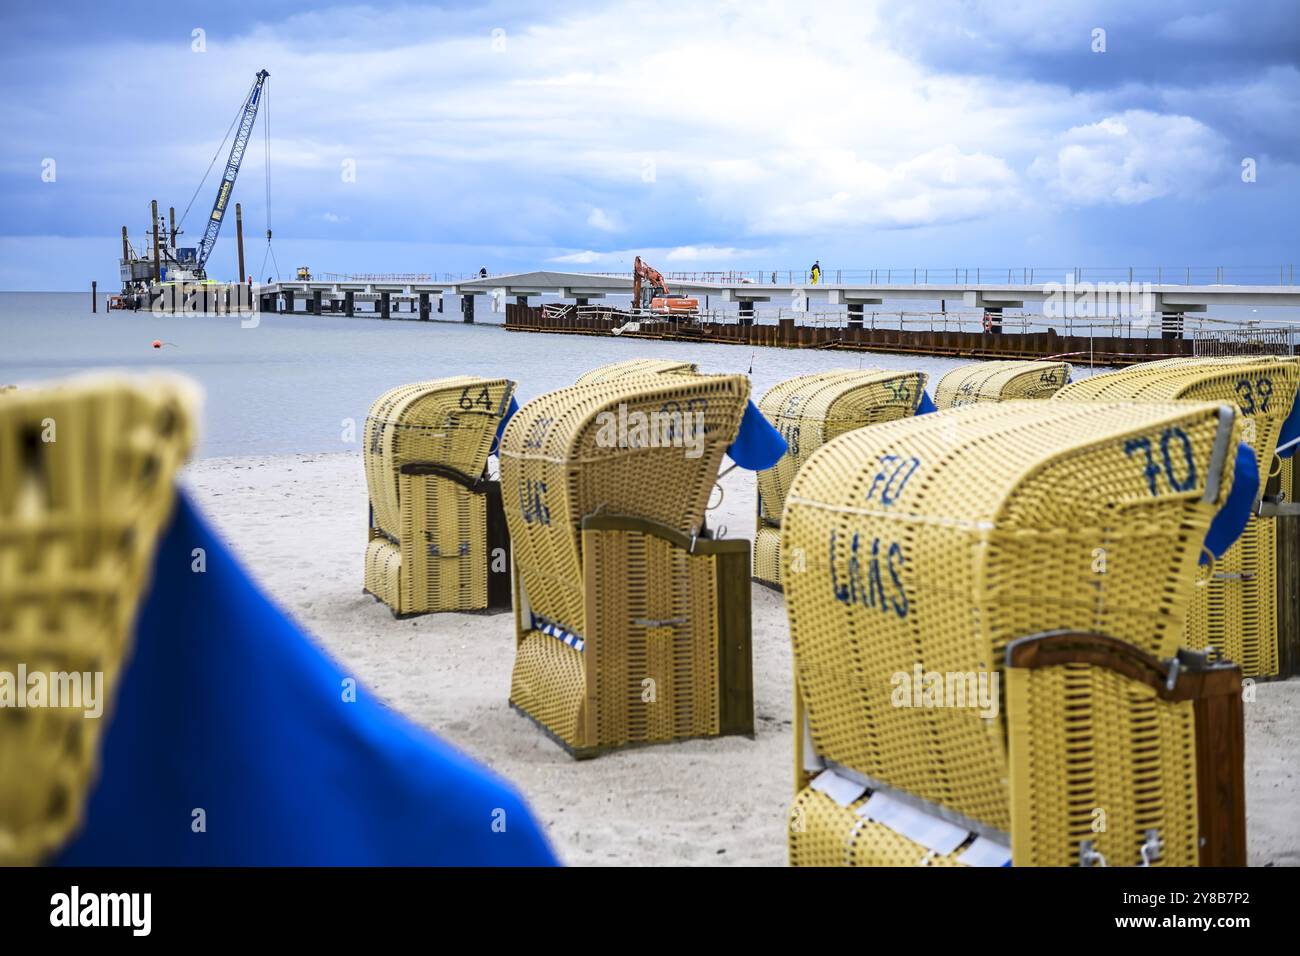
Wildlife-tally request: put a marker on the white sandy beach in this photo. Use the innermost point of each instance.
(299, 524)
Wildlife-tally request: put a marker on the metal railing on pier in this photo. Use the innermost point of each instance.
(1283, 274)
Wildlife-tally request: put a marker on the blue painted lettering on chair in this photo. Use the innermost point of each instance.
(1174, 445)
(532, 502)
(894, 473)
(866, 586)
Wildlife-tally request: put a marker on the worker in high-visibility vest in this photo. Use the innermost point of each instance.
(816, 272)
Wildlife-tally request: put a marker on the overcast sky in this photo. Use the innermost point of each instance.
(702, 135)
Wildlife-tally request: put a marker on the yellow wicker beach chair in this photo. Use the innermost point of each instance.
(437, 539)
(86, 474)
(809, 411)
(1237, 613)
(986, 607)
(125, 621)
(632, 621)
(999, 382)
(634, 367)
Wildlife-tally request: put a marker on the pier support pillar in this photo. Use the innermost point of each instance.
(581, 301)
(467, 308)
(288, 302)
(746, 312)
(855, 315)
(315, 302)
(1171, 325)
(266, 303)
(349, 303)
(521, 300)
(993, 319)
(385, 306)
(440, 303)
(424, 306)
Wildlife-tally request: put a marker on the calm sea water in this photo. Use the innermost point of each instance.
(287, 385)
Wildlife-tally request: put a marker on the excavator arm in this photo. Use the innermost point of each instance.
(642, 271)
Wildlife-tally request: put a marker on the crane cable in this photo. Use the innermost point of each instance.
(266, 170)
(214, 157)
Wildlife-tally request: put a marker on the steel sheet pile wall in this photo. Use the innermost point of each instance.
(786, 333)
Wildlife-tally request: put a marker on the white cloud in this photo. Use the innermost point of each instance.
(599, 219)
(754, 117)
(1134, 157)
(584, 258)
(706, 254)
(771, 125)
(816, 191)
(674, 255)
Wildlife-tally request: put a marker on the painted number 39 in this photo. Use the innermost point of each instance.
(1254, 397)
(1174, 445)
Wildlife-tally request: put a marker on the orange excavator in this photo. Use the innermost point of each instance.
(650, 293)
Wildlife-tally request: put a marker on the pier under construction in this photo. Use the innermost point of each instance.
(1115, 323)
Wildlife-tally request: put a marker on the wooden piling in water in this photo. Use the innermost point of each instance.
(157, 265)
(239, 238)
(94, 296)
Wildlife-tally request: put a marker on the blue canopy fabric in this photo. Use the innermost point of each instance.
(926, 405)
(501, 428)
(1230, 522)
(226, 707)
(758, 445)
(1288, 440)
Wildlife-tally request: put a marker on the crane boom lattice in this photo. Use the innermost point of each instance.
(232, 169)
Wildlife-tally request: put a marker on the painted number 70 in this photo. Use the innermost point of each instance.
(1173, 440)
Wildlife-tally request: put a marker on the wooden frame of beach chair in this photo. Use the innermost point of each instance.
(999, 382)
(631, 368)
(632, 623)
(1015, 544)
(437, 537)
(809, 411)
(1282, 503)
(86, 486)
(1237, 614)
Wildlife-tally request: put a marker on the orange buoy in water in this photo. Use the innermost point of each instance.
(157, 344)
